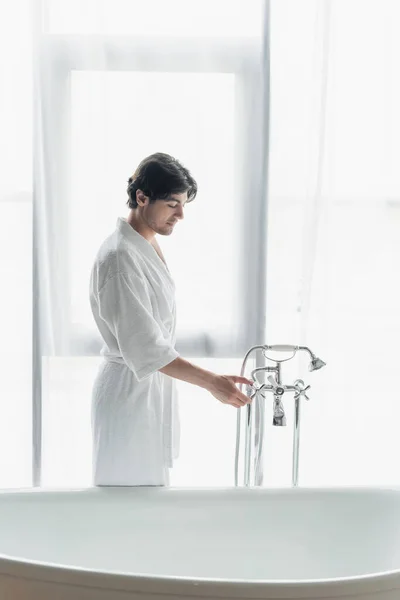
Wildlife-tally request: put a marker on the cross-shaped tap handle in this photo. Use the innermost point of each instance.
(301, 389)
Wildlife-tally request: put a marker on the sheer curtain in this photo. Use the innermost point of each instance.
(334, 234)
(15, 244)
(114, 81)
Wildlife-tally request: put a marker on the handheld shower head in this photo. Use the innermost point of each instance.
(315, 364)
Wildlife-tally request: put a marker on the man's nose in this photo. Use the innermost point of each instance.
(179, 212)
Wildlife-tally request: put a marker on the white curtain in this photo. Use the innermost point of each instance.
(334, 235)
(15, 244)
(114, 81)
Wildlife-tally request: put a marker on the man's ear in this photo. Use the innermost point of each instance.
(141, 198)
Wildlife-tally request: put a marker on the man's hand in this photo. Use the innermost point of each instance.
(223, 388)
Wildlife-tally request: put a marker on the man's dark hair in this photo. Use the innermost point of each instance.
(159, 176)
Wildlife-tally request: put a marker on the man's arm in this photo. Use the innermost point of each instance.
(222, 387)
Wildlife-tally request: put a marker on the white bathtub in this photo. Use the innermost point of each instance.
(152, 544)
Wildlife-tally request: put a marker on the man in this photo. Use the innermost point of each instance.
(134, 411)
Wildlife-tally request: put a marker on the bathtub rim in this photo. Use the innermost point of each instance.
(164, 585)
(31, 571)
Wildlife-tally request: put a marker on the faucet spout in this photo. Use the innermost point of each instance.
(279, 417)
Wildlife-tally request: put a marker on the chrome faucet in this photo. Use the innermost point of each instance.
(278, 389)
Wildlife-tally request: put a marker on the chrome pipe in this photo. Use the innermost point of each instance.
(296, 443)
(238, 422)
(248, 444)
(259, 441)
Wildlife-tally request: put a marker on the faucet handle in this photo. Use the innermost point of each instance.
(301, 389)
(277, 388)
(253, 390)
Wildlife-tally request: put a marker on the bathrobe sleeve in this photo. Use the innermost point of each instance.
(125, 305)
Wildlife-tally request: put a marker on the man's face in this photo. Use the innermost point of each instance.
(162, 215)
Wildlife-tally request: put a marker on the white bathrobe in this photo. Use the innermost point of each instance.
(135, 422)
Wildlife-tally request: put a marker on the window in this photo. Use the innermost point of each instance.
(108, 100)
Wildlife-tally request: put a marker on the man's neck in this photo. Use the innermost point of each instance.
(137, 224)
